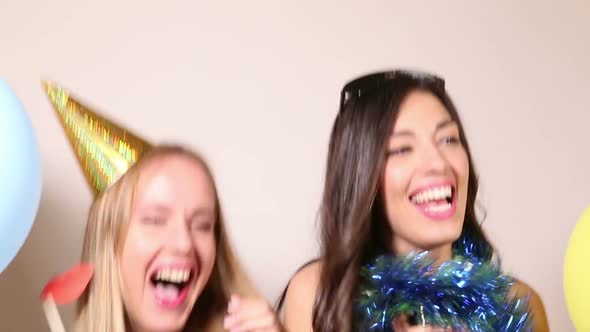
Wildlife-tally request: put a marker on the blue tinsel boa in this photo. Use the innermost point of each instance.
(465, 293)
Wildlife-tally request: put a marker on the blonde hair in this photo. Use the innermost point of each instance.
(100, 308)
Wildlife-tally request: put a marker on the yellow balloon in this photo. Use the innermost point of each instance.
(576, 274)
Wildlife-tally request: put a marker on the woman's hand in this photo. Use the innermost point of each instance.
(251, 315)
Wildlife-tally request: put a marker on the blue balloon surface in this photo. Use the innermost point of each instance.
(20, 175)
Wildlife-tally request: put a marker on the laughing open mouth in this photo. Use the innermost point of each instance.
(437, 202)
(171, 285)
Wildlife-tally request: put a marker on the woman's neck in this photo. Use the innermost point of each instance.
(440, 253)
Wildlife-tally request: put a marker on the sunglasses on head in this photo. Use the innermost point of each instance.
(370, 82)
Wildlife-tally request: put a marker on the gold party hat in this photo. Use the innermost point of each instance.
(104, 149)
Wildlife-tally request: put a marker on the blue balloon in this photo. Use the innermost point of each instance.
(20, 175)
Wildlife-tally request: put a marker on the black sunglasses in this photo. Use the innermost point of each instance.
(363, 84)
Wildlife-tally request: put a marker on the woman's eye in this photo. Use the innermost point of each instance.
(202, 226)
(400, 151)
(451, 140)
(153, 220)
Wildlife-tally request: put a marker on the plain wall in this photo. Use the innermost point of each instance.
(255, 85)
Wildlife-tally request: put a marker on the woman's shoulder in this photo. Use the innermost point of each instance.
(520, 289)
(300, 297)
(304, 283)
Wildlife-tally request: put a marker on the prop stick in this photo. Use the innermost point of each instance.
(52, 314)
(64, 289)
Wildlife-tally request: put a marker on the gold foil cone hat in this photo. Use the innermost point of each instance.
(105, 150)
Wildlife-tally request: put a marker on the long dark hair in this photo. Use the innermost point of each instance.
(353, 224)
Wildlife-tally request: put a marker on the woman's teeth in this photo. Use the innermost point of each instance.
(439, 208)
(171, 286)
(433, 194)
(173, 275)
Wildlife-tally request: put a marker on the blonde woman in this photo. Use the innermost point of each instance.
(155, 236)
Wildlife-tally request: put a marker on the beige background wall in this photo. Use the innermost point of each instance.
(255, 85)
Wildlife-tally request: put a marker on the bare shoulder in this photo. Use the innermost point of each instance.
(300, 298)
(537, 308)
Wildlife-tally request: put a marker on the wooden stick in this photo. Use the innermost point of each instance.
(52, 314)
